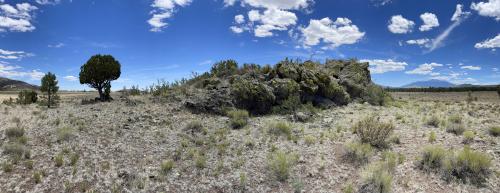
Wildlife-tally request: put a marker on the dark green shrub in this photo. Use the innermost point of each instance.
(256, 97)
(238, 118)
(224, 68)
(376, 95)
(194, 127)
(49, 85)
(335, 92)
(26, 97)
(373, 131)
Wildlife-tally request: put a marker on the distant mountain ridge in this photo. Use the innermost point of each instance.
(14, 85)
(429, 83)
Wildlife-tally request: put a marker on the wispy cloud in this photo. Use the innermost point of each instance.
(58, 45)
(10, 71)
(71, 78)
(458, 17)
(206, 62)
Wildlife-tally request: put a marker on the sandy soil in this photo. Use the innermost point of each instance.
(121, 145)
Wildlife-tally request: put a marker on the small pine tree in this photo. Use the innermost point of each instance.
(49, 85)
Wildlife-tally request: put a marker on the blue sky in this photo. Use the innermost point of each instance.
(404, 41)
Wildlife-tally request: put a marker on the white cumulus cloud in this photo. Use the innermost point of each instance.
(16, 18)
(488, 9)
(424, 42)
(399, 25)
(333, 33)
(164, 9)
(267, 16)
(489, 43)
(458, 17)
(13, 55)
(382, 66)
(16, 72)
(430, 21)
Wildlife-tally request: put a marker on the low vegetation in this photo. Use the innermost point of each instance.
(373, 131)
(238, 118)
(280, 164)
(466, 165)
(494, 131)
(358, 152)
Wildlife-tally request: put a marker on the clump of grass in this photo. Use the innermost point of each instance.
(358, 152)
(373, 131)
(432, 137)
(238, 118)
(495, 131)
(37, 177)
(309, 140)
(432, 157)
(281, 128)
(194, 127)
(14, 149)
(376, 178)
(469, 165)
(14, 132)
(280, 163)
(468, 137)
(465, 164)
(433, 120)
(59, 159)
(455, 128)
(7, 167)
(74, 159)
(166, 166)
(200, 161)
(64, 134)
(392, 159)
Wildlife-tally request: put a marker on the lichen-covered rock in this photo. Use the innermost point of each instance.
(355, 77)
(284, 88)
(255, 96)
(210, 101)
(335, 92)
(287, 69)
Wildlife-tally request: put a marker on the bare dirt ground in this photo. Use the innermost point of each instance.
(121, 145)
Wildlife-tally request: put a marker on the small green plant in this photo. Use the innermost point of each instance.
(26, 97)
(432, 137)
(194, 127)
(14, 132)
(243, 180)
(455, 128)
(280, 164)
(348, 189)
(200, 161)
(37, 177)
(59, 159)
(376, 178)
(280, 128)
(64, 134)
(433, 121)
(468, 137)
(432, 157)
(466, 164)
(166, 166)
(238, 118)
(495, 131)
(309, 140)
(373, 131)
(7, 167)
(469, 165)
(14, 149)
(358, 152)
(74, 159)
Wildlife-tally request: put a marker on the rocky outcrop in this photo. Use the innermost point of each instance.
(260, 90)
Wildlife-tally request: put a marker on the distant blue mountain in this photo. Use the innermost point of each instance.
(429, 83)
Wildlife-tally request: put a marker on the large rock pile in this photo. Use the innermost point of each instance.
(284, 87)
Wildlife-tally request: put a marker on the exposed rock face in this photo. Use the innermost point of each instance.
(337, 82)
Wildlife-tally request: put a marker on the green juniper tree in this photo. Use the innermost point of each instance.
(98, 73)
(49, 85)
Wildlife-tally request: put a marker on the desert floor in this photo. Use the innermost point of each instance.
(119, 146)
